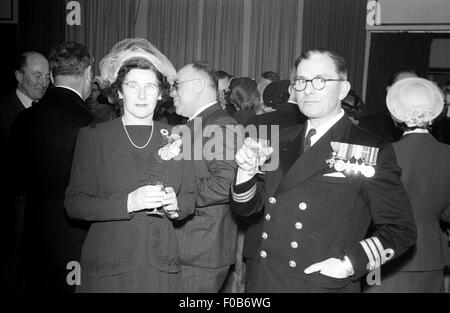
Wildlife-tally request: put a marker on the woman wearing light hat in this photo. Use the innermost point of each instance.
(117, 179)
(414, 103)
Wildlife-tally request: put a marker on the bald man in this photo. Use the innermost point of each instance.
(33, 76)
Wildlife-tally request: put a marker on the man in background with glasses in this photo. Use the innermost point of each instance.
(208, 240)
(334, 181)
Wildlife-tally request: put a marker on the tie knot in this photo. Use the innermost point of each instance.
(307, 141)
(33, 103)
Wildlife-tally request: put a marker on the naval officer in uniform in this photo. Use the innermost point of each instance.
(335, 208)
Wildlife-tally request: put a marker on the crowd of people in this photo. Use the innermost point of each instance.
(151, 180)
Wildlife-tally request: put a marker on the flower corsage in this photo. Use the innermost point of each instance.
(173, 146)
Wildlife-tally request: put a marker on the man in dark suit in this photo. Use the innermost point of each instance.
(32, 75)
(333, 182)
(414, 103)
(207, 240)
(42, 141)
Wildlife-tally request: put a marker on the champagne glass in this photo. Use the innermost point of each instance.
(157, 211)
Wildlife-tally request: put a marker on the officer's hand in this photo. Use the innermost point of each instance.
(330, 267)
(246, 159)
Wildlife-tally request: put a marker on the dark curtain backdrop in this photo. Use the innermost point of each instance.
(41, 24)
(338, 26)
(273, 36)
(172, 27)
(388, 52)
(103, 23)
(9, 39)
(222, 34)
(192, 30)
(213, 31)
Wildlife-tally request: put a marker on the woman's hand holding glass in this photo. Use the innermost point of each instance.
(170, 203)
(145, 197)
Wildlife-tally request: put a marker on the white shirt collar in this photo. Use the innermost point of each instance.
(26, 101)
(203, 108)
(416, 131)
(322, 129)
(79, 94)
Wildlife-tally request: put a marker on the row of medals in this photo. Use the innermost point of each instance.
(354, 166)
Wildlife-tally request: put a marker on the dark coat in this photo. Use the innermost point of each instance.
(441, 130)
(103, 175)
(242, 116)
(42, 141)
(10, 106)
(310, 217)
(208, 238)
(426, 175)
(382, 125)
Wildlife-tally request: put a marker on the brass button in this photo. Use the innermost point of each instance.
(298, 225)
(264, 235)
(267, 217)
(263, 254)
(272, 200)
(292, 264)
(294, 244)
(302, 206)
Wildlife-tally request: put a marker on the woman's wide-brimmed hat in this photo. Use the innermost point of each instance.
(134, 48)
(415, 101)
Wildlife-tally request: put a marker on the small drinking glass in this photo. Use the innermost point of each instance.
(260, 148)
(157, 211)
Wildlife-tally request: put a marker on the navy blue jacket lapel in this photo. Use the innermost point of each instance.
(313, 160)
(289, 151)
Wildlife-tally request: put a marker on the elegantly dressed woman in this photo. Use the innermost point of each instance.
(117, 178)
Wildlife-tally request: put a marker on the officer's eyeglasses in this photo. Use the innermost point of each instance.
(318, 83)
(135, 88)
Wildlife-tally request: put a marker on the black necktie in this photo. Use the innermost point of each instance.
(307, 141)
(33, 103)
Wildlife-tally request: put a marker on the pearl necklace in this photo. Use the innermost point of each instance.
(129, 138)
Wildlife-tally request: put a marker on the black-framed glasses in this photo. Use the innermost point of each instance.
(317, 83)
(176, 84)
(135, 88)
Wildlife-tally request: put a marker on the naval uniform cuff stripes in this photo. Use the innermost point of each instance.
(375, 252)
(371, 264)
(245, 196)
(243, 187)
